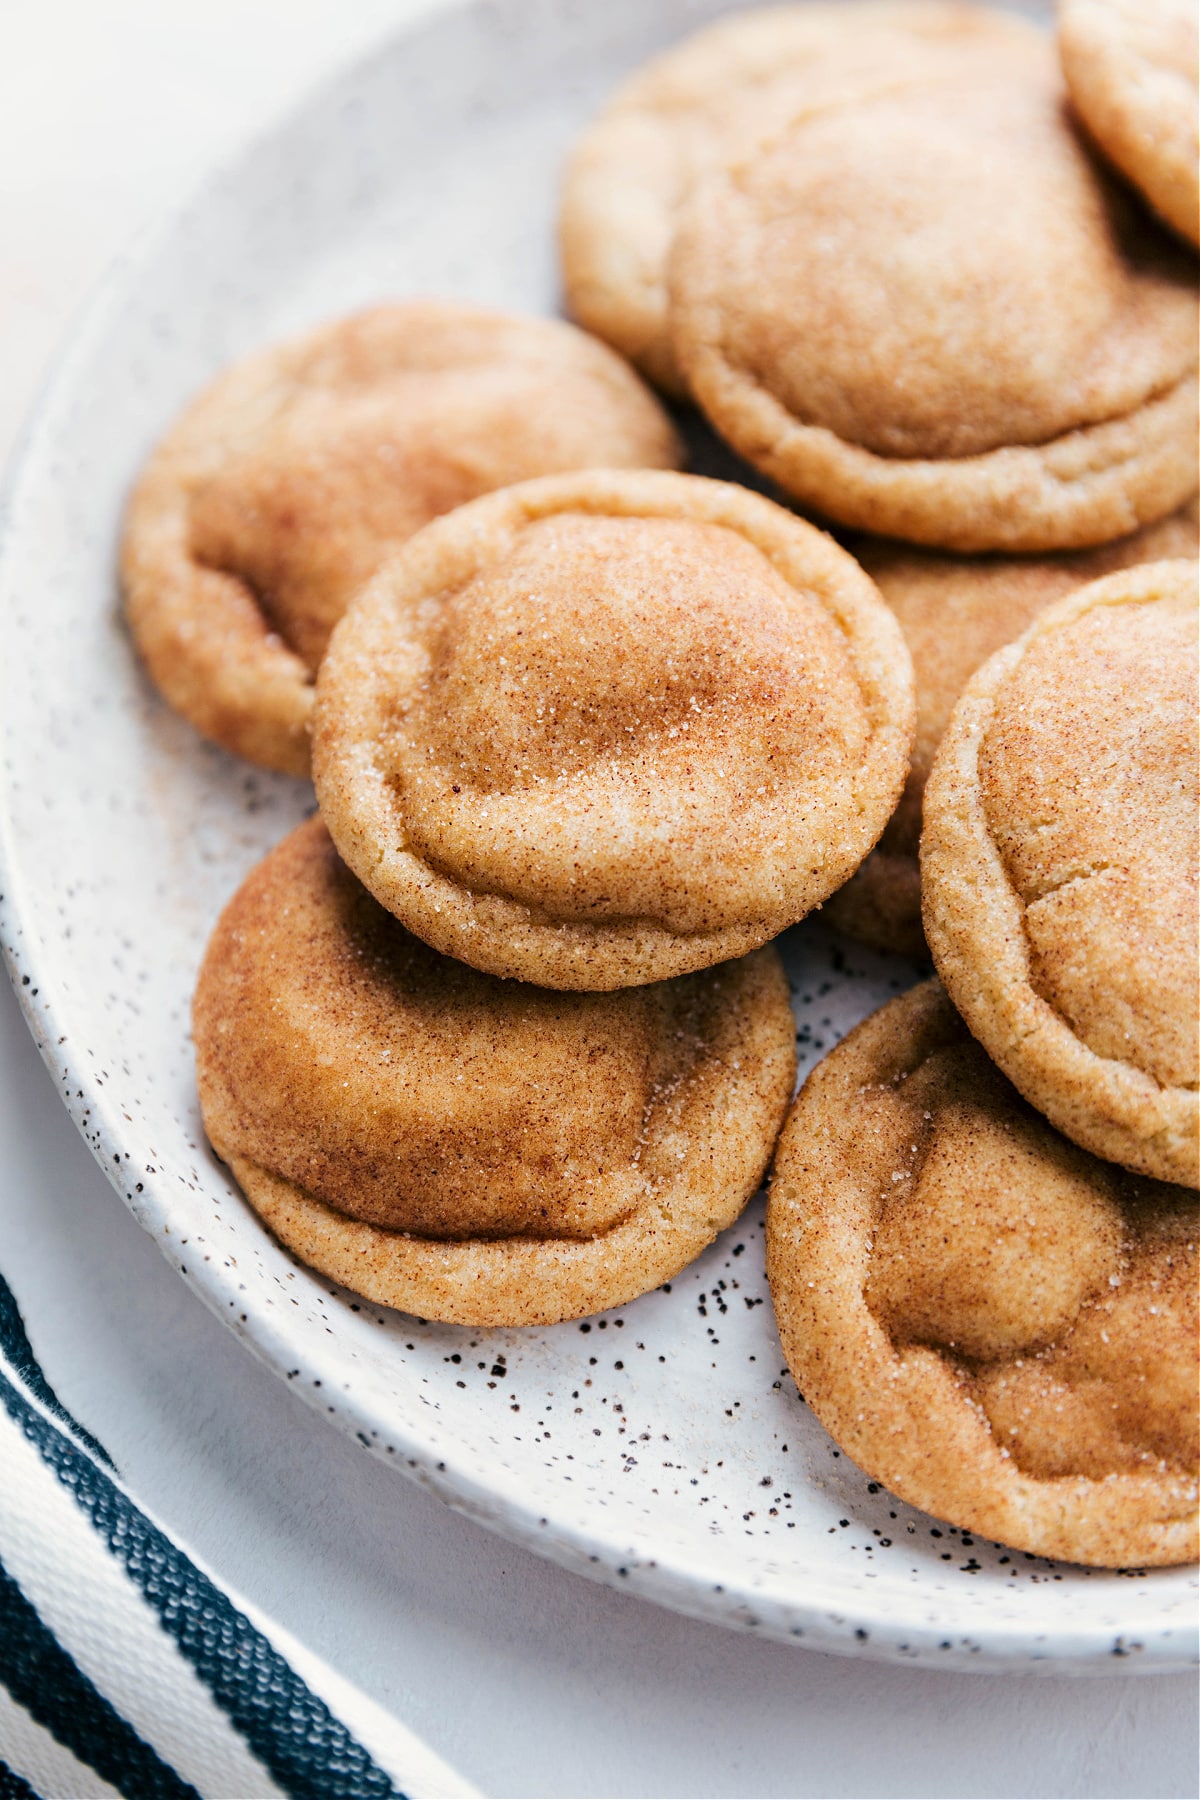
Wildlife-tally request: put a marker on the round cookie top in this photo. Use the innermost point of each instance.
(955, 612)
(849, 326)
(602, 729)
(998, 1326)
(422, 1131)
(1130, 66)
(282, 489)
(1059, 866)
(685, 113)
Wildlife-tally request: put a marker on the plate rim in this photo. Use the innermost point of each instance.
(846, 1626)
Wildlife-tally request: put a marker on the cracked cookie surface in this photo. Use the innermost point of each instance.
(1059, 866)
(469, 1149)
(603, 729)
(994, 1323)
(283, 487)
(681, 117)
(848, 326)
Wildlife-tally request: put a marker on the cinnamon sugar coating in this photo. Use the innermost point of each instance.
(684, 114)
(955, 612)
(284, 486)
(603, 729)
(995, 1324)
(1059, 866)
(465, 1148)
(1130, 66)
(926, 311)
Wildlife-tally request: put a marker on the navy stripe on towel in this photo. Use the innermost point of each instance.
(12, 1787)
(308, 1751)
(53, 1689)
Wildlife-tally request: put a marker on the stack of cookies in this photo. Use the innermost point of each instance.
(497, 1039)
(501, 1037)
(986, 1282)
(874, 245)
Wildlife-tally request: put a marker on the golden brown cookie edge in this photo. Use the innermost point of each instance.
(1124, 125)
(974, 927)
(886, 1410)
(201, 635)
(733, 1113)
(499, 935)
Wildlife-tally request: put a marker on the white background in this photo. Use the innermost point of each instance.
(532, 1681)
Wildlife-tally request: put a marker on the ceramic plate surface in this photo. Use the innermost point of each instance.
(662, 1447)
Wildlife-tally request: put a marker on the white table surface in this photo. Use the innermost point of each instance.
(532, 1681)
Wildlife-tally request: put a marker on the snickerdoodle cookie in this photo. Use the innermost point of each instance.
(601, 729)
(955, 612)
(998, 1326)
(687, 111)
(1131, 70)
(1059, 866)
(282, 489)
(929, 313)
(470, 1149)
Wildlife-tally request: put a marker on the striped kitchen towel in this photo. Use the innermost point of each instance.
(127, 1669)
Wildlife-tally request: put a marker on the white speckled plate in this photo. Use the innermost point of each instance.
(662, 1447)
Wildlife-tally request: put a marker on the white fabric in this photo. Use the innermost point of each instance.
(51, 1771)
(83, 1595)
